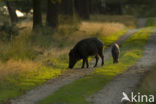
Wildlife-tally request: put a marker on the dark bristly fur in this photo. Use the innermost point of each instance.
(115, 53)
(85, 48)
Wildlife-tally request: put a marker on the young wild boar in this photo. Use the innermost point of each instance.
(115, 53)
(85, 48)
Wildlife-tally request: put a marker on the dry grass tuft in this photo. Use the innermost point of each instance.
(12, 67)
(129, 21)
(105, 28)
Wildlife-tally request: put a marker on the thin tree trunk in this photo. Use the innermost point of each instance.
(82, 8)
(52, 14)
(120, 9)
(67, 7)
(12, 13)
(86, 10)
(37, 16)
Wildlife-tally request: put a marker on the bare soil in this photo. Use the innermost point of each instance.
(141, 22)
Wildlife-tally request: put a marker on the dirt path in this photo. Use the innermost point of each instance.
(126, 82)
(141, 22)
(53, 85)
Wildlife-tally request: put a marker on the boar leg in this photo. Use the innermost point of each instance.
(114, 59)
(102, 57)
(97, 59)
(83, 63)
(87, 62)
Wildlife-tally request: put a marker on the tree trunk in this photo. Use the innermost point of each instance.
(52, 14)
(82, 8)
(120, 11)
(95, 6)
(67, 7)
(12, 13)
(37, 16)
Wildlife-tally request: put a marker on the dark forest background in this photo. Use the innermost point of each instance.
(81, 8)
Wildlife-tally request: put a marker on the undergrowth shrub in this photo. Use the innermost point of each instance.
(19, 48)
(42, 37)
(7, 32)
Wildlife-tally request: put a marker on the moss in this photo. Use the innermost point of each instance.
(76, 92)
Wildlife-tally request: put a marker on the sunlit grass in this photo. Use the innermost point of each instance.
(105, 28)
(150, 21)
(79, 90)
(86, 30)
(17, 77)
(129, 21)
(33, 58)
(111, 38)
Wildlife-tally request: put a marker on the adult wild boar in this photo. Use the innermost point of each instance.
(85, 48)
(115, 53)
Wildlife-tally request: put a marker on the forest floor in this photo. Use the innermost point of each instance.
(128, 81)
(141, 22)
(53, 85)
(111, 93)
(125, 81)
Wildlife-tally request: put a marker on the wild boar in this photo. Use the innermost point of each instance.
(115, 53)
(85, 48)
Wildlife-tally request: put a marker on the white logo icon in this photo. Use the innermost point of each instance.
(125, 97)
(137, 98)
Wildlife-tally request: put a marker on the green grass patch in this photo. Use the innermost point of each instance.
(18, 84)
(19, 81)
(111, 38)
(150, 22)
(76, 92)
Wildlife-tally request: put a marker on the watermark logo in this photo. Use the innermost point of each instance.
(125, 97)
(138, 98)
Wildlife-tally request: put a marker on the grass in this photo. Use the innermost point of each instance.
(31, 59)
(150, 22)
(148, 85)
(112, 38)
(85, 30)
(127, 20)
(79, 90)
(20, 77)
